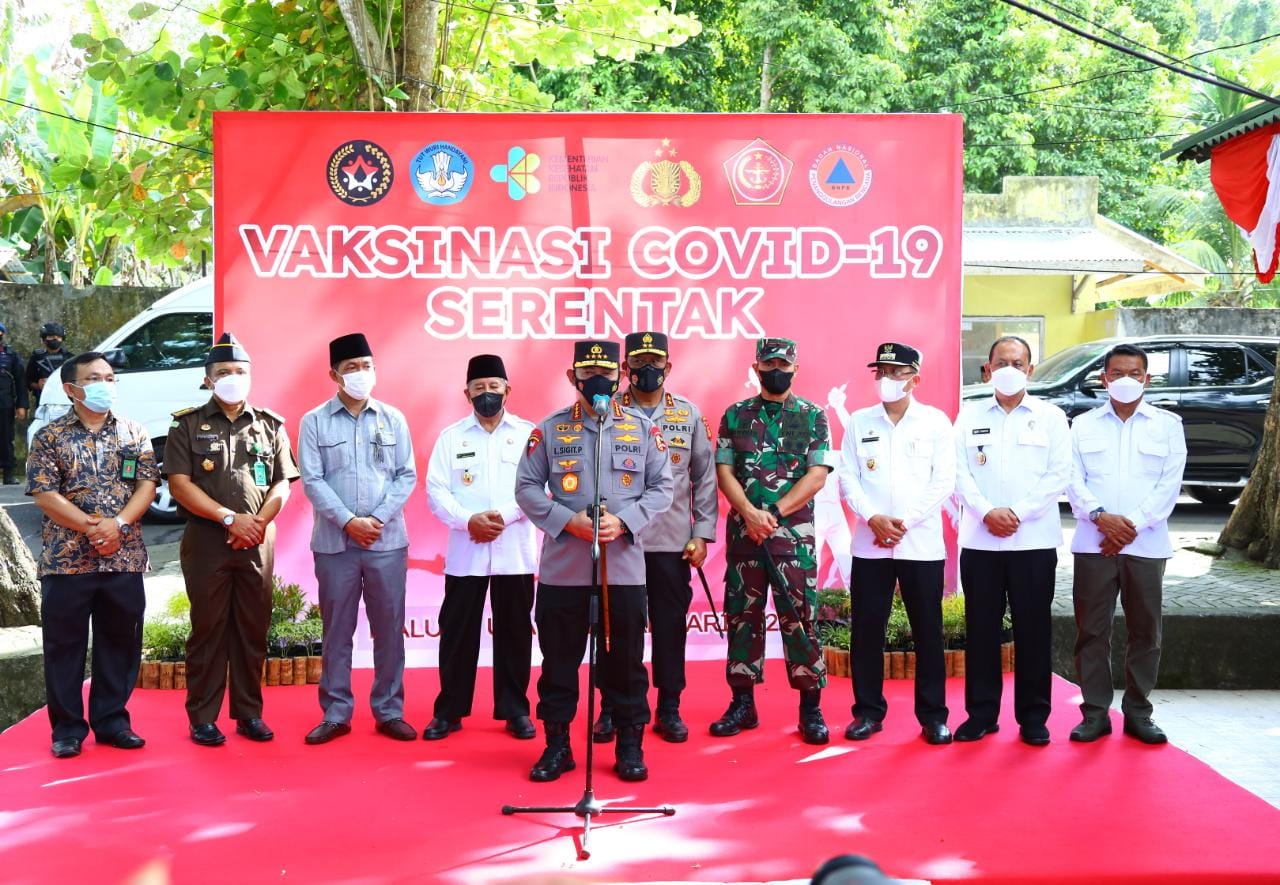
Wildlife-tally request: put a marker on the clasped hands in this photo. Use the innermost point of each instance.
(486, 526)
(246, 530)
(889, 530)
(611, 528)
(104, 535)
(1117, 531)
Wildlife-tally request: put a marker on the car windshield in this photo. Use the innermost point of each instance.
(1066, 362)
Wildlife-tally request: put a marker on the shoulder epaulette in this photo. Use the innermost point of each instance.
(186, 411)
(270, 414)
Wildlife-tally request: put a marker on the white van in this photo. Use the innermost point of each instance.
(158, 357)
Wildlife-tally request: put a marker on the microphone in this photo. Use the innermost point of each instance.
(600, 404)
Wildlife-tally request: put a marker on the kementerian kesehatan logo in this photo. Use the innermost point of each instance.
(518, 173)
(840, 175)
(359, 173)
(758, 174)
(442, 173)
(666, 181)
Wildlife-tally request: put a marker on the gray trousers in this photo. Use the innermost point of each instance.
(378, 577)
(1139, 583)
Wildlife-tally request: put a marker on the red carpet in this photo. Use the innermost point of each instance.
(759, 807)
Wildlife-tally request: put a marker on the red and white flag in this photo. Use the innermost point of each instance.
(1246, 176)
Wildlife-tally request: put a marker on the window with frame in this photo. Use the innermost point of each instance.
(171, 341)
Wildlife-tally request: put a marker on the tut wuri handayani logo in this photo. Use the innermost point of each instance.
(359, 173)
(442, 173)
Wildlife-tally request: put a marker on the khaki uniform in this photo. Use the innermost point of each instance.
(235, 464)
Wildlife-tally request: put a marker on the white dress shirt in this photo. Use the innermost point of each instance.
(1132, 468)
(471, 471)
(905, 471)
(1020, 460)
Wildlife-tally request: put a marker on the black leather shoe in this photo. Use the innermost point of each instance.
(206, 734)
(438, 729)
(1035, 735)
(254, 730)
(936, 733)
(603, 731)
(398, 729)
(670, 727)
(327, 731)
(972, 730)
(125, 739)
(65, 749)
(557, 758)
(629, 761)
(740, 715)
(1092, 728)
(862, 728)
(521, 727)
(813, 729)
(1145, 730)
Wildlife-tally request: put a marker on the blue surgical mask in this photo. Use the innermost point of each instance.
(99, 396)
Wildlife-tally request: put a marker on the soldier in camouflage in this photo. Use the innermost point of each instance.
(772, 456)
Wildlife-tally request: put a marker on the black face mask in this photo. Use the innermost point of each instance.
(487, 404)
(647, 379)
(597, 385)
(776, 381)
(52, 343)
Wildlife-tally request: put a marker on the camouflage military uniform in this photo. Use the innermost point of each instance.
(770, 447)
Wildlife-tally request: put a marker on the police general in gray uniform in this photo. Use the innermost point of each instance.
(635, 486)
(677, 540)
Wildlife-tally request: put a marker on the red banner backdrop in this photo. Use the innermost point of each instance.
(445, 235)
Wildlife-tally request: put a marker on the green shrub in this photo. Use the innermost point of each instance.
(833, 604)
(953, 626)
(897, 635)
(165, 640)
(834, 636)
(288, 602)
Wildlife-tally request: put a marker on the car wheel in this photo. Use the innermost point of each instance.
(1215, 496)
(163, 509)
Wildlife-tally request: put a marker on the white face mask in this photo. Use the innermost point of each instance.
(232, 389)
(1126, 390)
(1009, 381)
(359, 384)
(891, 389)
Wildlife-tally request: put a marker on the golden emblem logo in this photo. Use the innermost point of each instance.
(666, 181)
(596, 350)
(647, 339)
(627, 437)
(568, 438)
(626, 479)
(569, 482)
(569, 464)
(627, 426)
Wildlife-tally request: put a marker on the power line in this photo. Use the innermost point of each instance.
(185, 147)
(1080, 32)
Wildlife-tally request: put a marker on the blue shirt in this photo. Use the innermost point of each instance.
(356, 466)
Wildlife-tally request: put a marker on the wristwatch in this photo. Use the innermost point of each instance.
(125, 528)
(1094, 514)
(228, 519)
(777, 514)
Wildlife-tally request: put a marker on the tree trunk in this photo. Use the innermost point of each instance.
(364, 34)
(421, 18)
(19, 587)
(766, 78)
(1254, 526)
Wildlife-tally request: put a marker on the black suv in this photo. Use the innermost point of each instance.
(1219, 385)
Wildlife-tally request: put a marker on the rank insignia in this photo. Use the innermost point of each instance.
(707, 424)
(569, 482)
(468, 477)
(207, 465)
(871, 463)
(577, 428)
(568, 438)
(534, 439)
(670, 413)
(563, 428)
(675, 457)
(627, 426)
(683, 413)
(569, 464)
(627, 479)
(626, 437)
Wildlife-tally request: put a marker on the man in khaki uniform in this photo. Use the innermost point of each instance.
(229, 467)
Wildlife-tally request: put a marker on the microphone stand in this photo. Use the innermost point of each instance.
(589, 806)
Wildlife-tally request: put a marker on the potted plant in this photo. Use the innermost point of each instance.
(834, 638)
(898, 639)
(953, 629)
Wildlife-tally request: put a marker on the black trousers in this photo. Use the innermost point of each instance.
(667, 577)
(1024, 579)
(873, 581)
(113, 603)
(7, 425)
(562, 615)
(511, 599)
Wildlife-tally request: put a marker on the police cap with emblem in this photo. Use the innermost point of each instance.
(486, 365)
(227, 350)
(349, 347)
(896, 355)
(638, 343)
(595, 353)
(775, 348)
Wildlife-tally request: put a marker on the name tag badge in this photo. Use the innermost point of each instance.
(260, 475)
(129, 468)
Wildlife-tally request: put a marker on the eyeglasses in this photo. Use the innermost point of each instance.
(898, 372)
